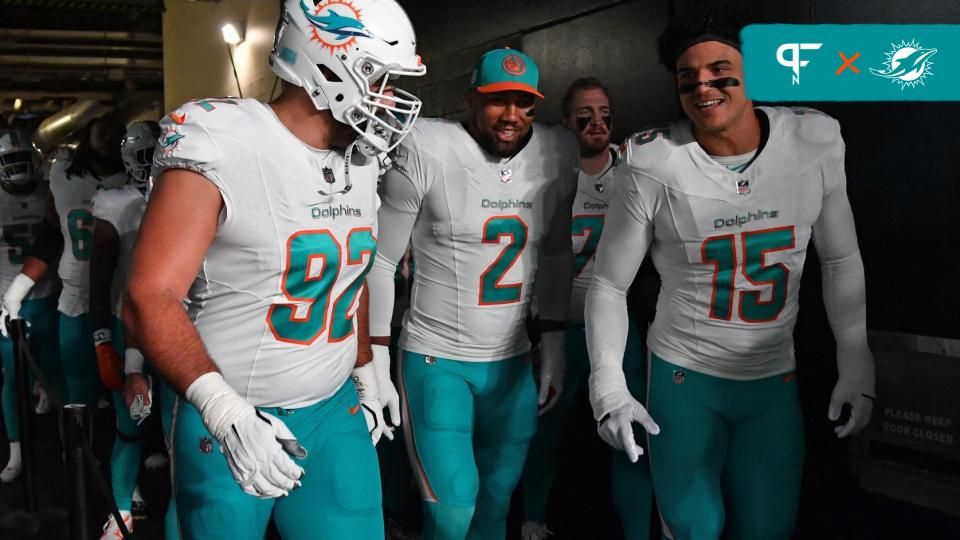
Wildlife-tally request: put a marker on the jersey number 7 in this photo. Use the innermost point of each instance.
(722, 253)
(312, 267)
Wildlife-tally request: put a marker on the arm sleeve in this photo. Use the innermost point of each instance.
(627, 235)
(844, 288)
(555, 259)
(400, 204)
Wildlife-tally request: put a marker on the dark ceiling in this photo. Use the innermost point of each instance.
(54, 53)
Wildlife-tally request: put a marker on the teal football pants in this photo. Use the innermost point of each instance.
(171, 528)
(339, 498)
(729, 454)
(79, 359)
(632, 491)
(41, 314)
(468, 426)
(125, 456)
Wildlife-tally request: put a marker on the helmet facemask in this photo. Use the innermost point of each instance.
(385, 114)
(137, 149)
(19, 164)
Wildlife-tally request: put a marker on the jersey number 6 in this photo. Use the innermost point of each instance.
(312, 267)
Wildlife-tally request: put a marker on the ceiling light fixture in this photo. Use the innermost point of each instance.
(232, 33)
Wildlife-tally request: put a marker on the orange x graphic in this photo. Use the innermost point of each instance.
(848, 62)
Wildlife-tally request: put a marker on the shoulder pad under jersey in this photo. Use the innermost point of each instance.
(651, 147)
(187, 134)
(809, 125)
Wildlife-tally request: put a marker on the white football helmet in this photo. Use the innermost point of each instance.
(19, 163)
(343, 53)
(136, 150)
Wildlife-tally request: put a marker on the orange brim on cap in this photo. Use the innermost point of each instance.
(507, 86)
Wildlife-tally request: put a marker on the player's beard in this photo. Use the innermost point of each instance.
(504, 149)
(591, 147)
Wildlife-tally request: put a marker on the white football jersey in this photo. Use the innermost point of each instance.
(729, 246)
(589, 209)
(275, 297)
(479, 223)
(20, 218)
(73, 198)
(123, 208)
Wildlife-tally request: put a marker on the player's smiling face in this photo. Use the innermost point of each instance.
(712, 109)
(590, 119)
(501, 121)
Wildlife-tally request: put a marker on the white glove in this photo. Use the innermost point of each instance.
(258, 446)
(133, 364)
(388, 392)
(616, 410)
(553, 365)
(616, 428)
(856, 386)
(365, 381)
(140, 406)
(13, 300)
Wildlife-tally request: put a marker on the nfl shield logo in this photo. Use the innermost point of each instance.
(679, 375)
(743, 186)
(206, 445)
(328, 175)
(506, 175)
(599, 187)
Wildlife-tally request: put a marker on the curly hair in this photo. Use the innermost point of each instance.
(83, 159)
(721, 24)
(578, 85)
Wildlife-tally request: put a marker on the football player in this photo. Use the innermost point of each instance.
(726, 201)
(23, 197)
(587, 111)
(263, 217)
(117, 214)
(73, 183)
(484, 205)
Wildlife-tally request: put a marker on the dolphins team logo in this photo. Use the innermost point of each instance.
(336, 24)
(514, 65)
(170, 140)
(907, 64)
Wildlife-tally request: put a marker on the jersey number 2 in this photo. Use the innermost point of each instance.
(722, 253)
(312, 267)
(492, 291)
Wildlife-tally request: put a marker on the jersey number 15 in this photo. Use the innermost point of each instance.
(721, 251)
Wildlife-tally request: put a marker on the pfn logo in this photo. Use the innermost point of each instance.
(794, 62)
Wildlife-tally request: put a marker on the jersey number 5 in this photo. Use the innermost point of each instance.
(492, 291)
(312, 267)
(722, 253)
(19, 236)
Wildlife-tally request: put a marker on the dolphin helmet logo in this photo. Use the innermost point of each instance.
(907, 64)
(335, 28)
